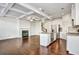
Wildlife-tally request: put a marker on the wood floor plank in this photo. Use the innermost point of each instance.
(27, 47)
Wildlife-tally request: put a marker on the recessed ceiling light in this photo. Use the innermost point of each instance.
(31, 20)
(41, 9)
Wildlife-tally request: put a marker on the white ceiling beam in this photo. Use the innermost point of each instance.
(35, 10)
(20, 11)
(17, 10)
(2, 6)
(29, 13)
(6, 9)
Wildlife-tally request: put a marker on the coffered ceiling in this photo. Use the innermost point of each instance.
(23, 10)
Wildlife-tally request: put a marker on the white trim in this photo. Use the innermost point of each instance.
(9, 38)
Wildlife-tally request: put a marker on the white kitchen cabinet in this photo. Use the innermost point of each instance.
(75, 13)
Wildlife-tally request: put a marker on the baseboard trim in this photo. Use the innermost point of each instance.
(11, 38)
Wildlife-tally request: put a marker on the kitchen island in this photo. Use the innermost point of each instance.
(73, 43)
(45, 39)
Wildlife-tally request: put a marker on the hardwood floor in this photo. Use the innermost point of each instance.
(10, 46)
(27, 47)
(18, 47)
(58, 47)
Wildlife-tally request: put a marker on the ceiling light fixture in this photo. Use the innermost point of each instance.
(41, 9)
(31, 20)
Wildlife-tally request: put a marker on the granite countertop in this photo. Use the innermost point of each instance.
(75, 34)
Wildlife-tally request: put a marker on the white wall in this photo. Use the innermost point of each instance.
(9, 27)
(35, 28)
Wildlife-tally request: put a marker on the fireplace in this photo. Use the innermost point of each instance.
(25, 34)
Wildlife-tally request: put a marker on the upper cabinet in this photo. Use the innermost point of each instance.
(75, 13)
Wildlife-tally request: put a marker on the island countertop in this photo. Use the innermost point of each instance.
(73, 34)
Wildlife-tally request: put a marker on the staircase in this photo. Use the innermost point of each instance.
(43, 28)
